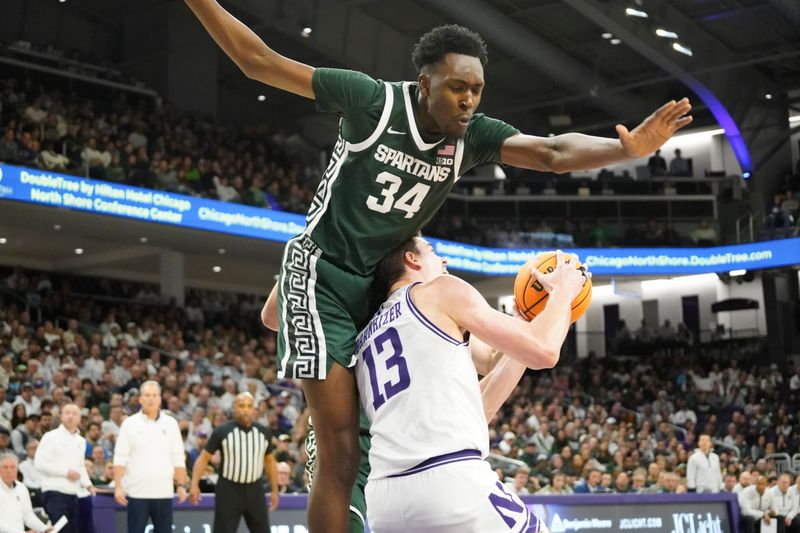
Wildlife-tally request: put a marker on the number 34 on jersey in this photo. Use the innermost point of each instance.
(407, 201)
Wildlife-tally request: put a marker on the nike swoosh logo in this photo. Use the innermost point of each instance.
(394, 131)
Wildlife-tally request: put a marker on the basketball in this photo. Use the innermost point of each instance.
(531, 297)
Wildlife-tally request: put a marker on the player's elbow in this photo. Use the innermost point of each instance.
(543, 358)
(269, 318)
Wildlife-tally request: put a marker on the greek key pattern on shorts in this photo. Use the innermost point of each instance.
(321, 197)
(303, 338)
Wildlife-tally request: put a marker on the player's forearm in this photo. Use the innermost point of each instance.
(498, 384)
(550, 327)
(575, 151)
(238, 41)
(484, 357)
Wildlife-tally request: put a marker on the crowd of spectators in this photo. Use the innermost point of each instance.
(783, 215)
(624, 424)
(152, 146)
(58, 344)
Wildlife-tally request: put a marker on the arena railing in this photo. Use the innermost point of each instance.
(783, 461)
(32, 65)
(719, 444)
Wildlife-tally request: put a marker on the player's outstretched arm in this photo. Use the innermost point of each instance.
(574, 151)
(256, 60)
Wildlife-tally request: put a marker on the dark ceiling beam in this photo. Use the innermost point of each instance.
(502, 31)
(641, 38)
(788, 8)
(638, 82)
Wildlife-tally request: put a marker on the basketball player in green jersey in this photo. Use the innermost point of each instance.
(401, 148)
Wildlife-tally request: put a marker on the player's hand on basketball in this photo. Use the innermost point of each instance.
(656, 129)
(194, 494)
(274, 499)
(564, 278)
(119, 496)
(182, 494)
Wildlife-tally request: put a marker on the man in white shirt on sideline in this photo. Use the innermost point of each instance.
(149, 453)
(703, 473)
(60, 461)
(756, 504)
(15, 502)
(745, 479)
(785, 504)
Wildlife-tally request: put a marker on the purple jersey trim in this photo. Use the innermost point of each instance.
(440, 460)
(427, 323)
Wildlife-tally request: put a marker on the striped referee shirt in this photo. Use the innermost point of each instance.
(242, 449)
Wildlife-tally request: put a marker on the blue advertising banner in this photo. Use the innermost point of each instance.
(584, 513)
(104, 198)
(61, 190)
(629, 261)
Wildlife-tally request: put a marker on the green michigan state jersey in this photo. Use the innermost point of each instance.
(385, 180)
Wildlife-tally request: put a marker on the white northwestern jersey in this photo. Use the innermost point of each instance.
(419, 389)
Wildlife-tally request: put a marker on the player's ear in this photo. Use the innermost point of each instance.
(411, 260)
(424, 81)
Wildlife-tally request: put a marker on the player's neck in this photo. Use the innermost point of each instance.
(407, 279)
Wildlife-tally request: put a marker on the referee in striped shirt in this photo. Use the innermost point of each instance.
(246, 449)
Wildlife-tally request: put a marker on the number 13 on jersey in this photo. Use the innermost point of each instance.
(409, 202)
(388, 371)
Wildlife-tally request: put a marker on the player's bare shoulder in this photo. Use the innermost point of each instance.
(445, 292)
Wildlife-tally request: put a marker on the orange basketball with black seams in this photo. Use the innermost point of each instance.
(531, 297)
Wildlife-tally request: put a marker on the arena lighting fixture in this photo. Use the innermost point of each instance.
(3, 240)
(606, 35)
(746, 175)
(739, 272)
(306, 31)
(78, 251)
(143, 240)
(217, 269)
(666, 34)
(57, 227)
(615, 41)
(261, 97)
(768, 96)
(678, 47)
(221, 251)
(794, 119)
(636, 13)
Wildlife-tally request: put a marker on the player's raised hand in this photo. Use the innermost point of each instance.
(565, 277)
(656, 129)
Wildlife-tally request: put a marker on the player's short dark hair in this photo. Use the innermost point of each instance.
(450, 39)
(391, 267)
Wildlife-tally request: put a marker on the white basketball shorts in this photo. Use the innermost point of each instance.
(456, 497)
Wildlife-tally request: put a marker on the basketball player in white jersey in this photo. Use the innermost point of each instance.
(416, 371)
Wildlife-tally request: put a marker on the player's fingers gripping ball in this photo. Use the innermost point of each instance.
(531, 296)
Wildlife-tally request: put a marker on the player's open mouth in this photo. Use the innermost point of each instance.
(464, 121)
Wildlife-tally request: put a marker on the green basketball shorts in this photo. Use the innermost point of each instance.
(320, 307)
